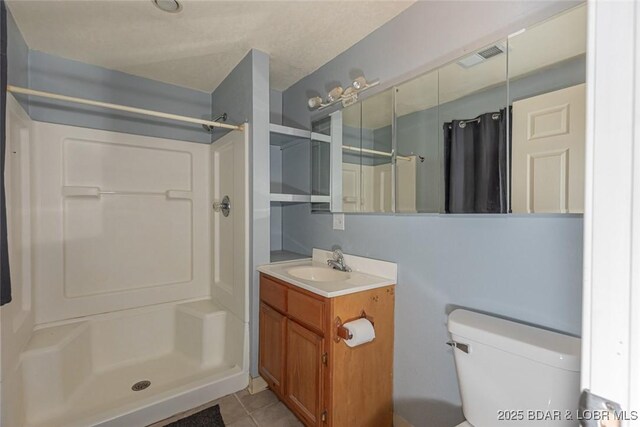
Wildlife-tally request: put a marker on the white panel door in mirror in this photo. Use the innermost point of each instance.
(548, 152)
(351, 187)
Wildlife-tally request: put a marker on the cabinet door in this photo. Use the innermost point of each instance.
(304, 372)
(273, 329)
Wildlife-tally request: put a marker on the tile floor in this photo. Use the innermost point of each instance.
(242, 409)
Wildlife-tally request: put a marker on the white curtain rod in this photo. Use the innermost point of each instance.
(21, 90)
(375, 152)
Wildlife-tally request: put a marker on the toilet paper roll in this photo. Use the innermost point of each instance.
(362, 332)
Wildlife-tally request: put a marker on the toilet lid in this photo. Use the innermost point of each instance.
(464, 424)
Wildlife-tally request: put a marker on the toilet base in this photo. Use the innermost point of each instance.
(464, 424)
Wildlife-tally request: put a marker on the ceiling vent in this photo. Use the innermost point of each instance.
(482, 55)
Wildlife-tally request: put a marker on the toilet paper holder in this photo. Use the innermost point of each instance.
(342, 332)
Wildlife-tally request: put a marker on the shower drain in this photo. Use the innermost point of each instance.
(140, 385)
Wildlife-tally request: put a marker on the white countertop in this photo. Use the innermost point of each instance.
(366, 274)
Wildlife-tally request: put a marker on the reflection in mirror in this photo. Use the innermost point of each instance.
(320, 164)
(376, 153)
(366, 155)
(468, 138)
(418, 165)
(473, 135)
(547, 89)
(351, 188)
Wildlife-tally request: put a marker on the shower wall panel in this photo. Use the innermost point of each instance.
(123, 221)
(17, 317)
(230, 233)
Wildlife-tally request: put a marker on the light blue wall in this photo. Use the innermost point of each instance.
(17, 58)
(59, 75)
(234, 95)
(522, 267)
(275, 106)
(526, 268)
(244, 95)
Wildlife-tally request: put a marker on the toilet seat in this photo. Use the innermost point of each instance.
(464, 424)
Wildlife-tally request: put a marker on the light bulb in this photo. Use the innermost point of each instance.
(360, 83)
(315, 102)
(335, 94)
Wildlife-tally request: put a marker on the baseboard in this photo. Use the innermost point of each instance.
(257, 384)
(398, 421)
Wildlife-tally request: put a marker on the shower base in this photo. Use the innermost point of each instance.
(83, 373)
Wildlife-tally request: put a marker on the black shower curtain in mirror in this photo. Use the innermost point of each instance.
(475, 160)
(5, 278)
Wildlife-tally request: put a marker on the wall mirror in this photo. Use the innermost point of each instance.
(367, 170)
(418, 164)
(352, 201)
(376, 171)
(499, 130)
(473, 131)
(321, 165)
(547, 68)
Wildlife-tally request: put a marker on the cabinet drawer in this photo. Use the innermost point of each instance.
(306, 309)
(273, 293)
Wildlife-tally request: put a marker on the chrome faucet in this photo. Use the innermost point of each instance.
(337, 263)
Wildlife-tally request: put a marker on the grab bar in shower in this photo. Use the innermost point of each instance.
(96, 192)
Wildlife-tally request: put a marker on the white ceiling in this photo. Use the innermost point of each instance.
(198, 47)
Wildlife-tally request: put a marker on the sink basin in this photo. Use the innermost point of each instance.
(318, 274)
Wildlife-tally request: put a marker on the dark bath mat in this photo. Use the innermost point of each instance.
(209, 417)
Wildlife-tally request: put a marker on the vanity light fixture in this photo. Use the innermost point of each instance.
(347, 96)
(335, 94)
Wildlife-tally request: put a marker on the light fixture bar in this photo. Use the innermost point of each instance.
(347, 96)
(353, 96)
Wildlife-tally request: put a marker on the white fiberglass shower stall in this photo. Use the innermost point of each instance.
(123, 275)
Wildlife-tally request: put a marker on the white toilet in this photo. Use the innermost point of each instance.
(512, 374)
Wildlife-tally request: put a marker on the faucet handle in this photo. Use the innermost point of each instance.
(337, 254)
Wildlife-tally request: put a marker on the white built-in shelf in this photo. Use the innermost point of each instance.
(279, 256)
(320, 199)
(320, 137)
(283, 135)
(290, 198)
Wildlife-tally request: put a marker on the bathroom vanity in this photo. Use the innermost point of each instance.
(303, 354)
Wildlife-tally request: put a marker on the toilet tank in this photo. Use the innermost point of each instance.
(514, 374)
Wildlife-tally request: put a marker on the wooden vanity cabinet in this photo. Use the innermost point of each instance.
(304, 372)
(322, 380)
(273, 327)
